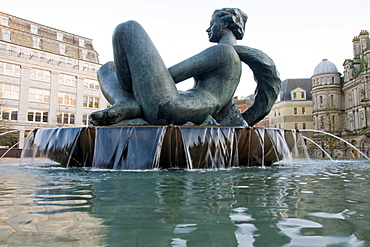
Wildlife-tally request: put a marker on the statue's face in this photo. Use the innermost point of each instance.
(215, 31)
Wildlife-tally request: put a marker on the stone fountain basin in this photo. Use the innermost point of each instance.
(162, 147)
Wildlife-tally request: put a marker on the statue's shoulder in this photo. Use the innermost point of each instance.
(252, 56)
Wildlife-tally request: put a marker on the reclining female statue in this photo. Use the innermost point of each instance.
(139, 85)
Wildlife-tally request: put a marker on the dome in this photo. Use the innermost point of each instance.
(325, 67)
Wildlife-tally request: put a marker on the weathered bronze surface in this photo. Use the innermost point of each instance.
(142, 90)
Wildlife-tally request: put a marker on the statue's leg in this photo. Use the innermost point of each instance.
(123, 104)
(137, 60)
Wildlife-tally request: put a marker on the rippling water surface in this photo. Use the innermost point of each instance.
(306, 204)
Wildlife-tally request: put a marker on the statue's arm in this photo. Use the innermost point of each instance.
(268, 83)
(188, 68)
(196, 65)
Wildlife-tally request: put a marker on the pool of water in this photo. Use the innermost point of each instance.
(319, 203)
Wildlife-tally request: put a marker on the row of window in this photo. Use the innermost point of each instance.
(36, 41)
(295, 111)
(304, 126)
(296, 126)
(45, 75)
(66, 98)
(42, 95)
(40, 75)
(8, 91)
(46, 58)
(69, 80)
(41, 116)
(38, 95)
(35, 30)
(10, 69)
(303, 111)
(65, 118)
(321, 101)
(298, 95)
(91, 84)
(324, 81)
(90, 102)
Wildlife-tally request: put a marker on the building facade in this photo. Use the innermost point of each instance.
(47, 77)
(341, 104)
(293, 109)
(327, 97)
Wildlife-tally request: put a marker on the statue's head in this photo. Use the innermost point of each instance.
(235, 18)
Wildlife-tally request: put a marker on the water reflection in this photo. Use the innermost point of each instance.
(46, 206)
(320, 203)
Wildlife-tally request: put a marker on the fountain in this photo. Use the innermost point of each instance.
(162, 147)
(152, 125)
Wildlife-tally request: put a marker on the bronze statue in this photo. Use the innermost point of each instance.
(139, 85)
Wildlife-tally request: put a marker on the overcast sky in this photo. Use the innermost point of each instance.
(297, 35)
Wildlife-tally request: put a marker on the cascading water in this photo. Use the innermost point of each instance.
(337, 137)
(14, 145)
(163, 147)
(317, 145)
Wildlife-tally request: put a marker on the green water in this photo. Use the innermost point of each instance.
(305, 204)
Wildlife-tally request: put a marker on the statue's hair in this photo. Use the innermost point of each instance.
(235, 18)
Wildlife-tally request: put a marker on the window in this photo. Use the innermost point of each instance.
(278, 112)
(8, 113)
(85, 119)
(84, 55)
(10, 69)
(303, 95)
(6, 35)
(303, 110)
(34, 29)
(8, 91)
(350, 100)
(304, 125)
(66, 98)
(40, 116)
(91, 84)
(41, 75)
(81, 42)
(69, 80)
(62, 49)
(65, 118)
(331, 100)
(36, 43)
(60, 36)
(295, 111)
(91, 102)
(294, 95)
(296, 125)
(333, 122)
(4, 21)
(38, 95)
(320, 99)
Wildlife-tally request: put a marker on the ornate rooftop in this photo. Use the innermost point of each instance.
(325, 67)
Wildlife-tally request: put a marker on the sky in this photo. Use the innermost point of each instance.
(296, 34)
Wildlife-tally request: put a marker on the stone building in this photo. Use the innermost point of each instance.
(327, 97)
(47, 76)
(341, 104)
(293, 109)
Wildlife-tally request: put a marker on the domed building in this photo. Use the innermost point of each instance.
(327, 97)
(341, 104)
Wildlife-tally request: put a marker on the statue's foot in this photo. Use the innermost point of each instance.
(116, 113)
